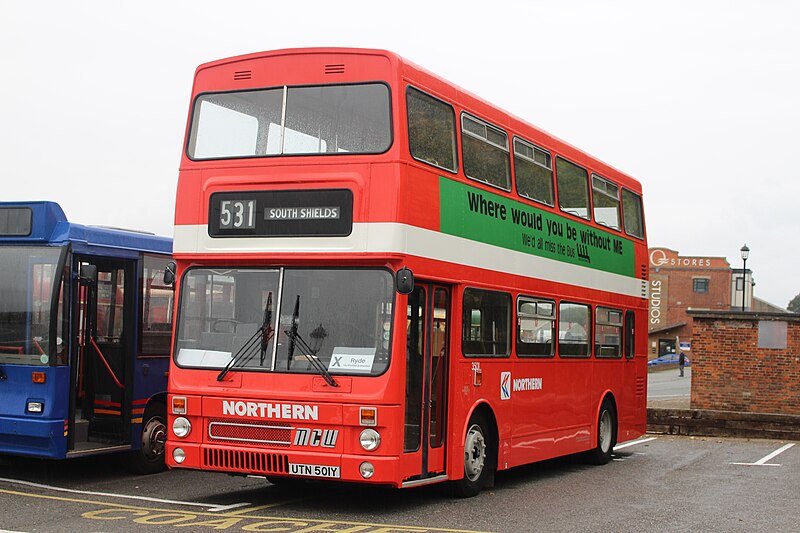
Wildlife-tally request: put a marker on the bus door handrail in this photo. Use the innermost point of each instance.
(108, 367)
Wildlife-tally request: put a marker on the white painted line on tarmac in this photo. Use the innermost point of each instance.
(763, 460)
(633, 443)
(210, 507)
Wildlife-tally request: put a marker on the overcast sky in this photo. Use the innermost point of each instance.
(699, 100)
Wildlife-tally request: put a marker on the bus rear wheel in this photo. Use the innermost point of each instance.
(606, 434)
(478, 465)
(149, 458)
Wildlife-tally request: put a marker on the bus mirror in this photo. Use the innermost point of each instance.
(405, 280)
(88, 275)
(169, 273)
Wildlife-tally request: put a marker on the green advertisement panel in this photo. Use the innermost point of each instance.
(478, 215)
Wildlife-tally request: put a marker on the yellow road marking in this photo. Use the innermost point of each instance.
(259, 507)
(138, 510)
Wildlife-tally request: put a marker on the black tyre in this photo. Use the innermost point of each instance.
(478, 458)
(606, 434)
(149, 458)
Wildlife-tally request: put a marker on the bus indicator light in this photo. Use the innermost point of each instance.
(38, 377)
(369, 416)
(178, 405)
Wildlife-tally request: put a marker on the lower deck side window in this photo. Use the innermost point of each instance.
(486, 323)
(574, 330)
(608, 333)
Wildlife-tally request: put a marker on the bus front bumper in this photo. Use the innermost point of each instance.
(273, 463)
(33, 438)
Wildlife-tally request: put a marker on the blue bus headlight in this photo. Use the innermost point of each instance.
(181, 427)
(34, 406)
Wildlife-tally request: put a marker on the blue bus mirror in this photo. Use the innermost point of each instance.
(169, 273)
(88, 275)
(405, 280)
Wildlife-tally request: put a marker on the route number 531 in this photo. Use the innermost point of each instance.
(237, 214)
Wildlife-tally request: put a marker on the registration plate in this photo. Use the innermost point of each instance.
(314, 470)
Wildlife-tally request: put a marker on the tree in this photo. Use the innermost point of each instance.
(794, 304)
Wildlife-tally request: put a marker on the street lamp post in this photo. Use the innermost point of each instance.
(745, 253)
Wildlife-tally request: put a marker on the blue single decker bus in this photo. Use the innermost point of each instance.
(85, 326)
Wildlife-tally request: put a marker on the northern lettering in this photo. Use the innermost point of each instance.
(270, 410)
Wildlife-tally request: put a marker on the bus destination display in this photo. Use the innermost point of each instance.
(281, 213)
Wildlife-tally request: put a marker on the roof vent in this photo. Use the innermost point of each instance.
(242, 75)
(334, 69)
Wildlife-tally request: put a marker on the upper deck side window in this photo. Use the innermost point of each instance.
(605, 197)
(485, 152)
(323, 119)
(632, 214)
(573, 188)
(431, 130)
(534, 171)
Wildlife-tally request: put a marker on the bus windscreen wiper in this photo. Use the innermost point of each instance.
(311, 354)
(257, 344)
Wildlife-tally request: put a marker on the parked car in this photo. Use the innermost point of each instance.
(667, 358)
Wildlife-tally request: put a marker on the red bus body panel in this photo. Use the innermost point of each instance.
(392, 193)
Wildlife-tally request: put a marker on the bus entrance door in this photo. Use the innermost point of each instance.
(105, 325)
(426, 380)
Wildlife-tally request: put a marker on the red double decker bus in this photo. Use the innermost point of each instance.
(385, 279)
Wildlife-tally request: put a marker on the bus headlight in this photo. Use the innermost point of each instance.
(179, 455)
(367, 470)
(35, 406)
(181, 427)
(370, 439)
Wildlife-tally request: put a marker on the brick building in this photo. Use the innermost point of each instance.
(746, 362)
(679, 283)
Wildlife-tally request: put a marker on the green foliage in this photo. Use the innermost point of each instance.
(794, 304)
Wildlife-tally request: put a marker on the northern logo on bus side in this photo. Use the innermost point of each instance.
(505, 385)
(508, 385)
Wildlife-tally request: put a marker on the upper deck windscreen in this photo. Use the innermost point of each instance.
(306, 120)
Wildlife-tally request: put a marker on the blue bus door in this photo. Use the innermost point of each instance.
(104, 350)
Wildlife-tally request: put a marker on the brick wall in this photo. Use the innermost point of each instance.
(731, 373)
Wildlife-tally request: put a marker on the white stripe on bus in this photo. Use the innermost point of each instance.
(388, 237)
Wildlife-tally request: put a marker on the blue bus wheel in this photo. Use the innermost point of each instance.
(149, 458)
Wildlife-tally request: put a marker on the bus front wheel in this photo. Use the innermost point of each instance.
(478, 466)
(149, 458)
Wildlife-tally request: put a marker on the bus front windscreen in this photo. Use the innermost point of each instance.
(285, 320)
(325, 119)
(29, 278)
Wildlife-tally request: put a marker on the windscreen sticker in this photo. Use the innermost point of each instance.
(358, 360)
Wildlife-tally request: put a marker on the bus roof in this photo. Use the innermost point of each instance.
(432, 82)
(43, 222)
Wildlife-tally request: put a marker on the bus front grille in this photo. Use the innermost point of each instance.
(252, 433)
(248, 461)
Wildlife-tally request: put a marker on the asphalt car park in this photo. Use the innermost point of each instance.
(655, 483)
